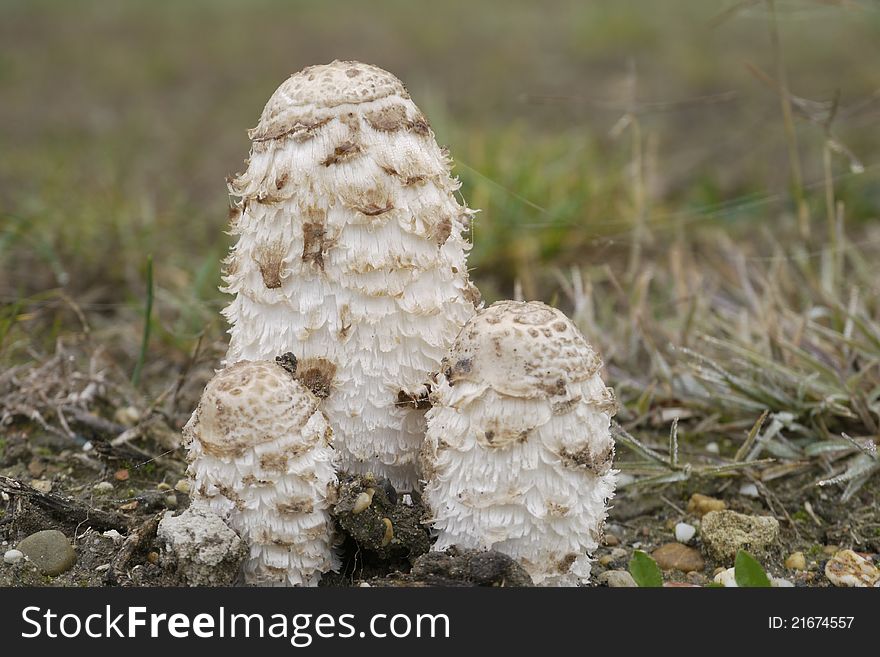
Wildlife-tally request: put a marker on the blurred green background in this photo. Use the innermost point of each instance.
(584, 132)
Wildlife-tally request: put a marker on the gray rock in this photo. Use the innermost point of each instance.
(616, 579)
(726, 532)
(201, 547)
(50, 551)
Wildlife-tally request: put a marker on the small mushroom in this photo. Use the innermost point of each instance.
(518, 450)
(260, 456)
(351, 255)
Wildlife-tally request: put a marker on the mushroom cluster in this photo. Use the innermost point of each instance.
(351, 263)
(518, 450)
(351, 255)
(259, 453)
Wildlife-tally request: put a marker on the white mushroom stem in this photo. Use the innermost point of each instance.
(518, 450)
(260, 456)
(351, 255)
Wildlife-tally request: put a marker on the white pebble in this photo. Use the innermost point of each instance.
(749, 490)
(113, 535)
(13, 556)
(102, 567)
(726, 578)
(781, 583)
(103, 487)
(713, 448)
(684, 532)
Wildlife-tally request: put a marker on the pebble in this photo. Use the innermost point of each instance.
(163, 487)
(13, 556)
(713, 448)
(204, 550)
(113, 535)
(679, 557)
(619, 553)
(171, 501)
(102, 567)
(50, 551)
(42, 485)
(727, 578)
(611, 540)
(103, 487)
(684, 532)
(127, 415)
(616, 579)
(796, 561)
(121, 475)
(703, 504)
(605, 559)
(724, 533)
(183, 486)
(846, 568)
(749, 490)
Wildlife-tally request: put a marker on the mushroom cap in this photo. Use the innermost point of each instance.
(521, 349)
(307, 96)
(247, 404)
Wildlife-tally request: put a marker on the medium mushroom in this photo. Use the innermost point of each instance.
(518, 450)
(351, 255)
(259, 453)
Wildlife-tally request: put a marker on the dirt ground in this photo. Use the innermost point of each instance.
(99, 496)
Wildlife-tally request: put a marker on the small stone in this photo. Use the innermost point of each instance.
(42, 485)
(129, 506)
(846, 568)
(796, 561)
(830, 550)
(121, 475)
(616, 579)
(114, 536)
(12, 556)
(781, 583)
(163, 487)
(684, 532)
(713, 448)
(703, 504)
(679, 557)
(749, 490)
(605, 560)
(103, 488)
(153, 557)
(619, 553)
(724, 533)
(696, 577)
(103, 567)
(183, 486)
(611, 540)
(50, 551)
(171, 501)
(201, 547)
(127, 416)
(726, 577)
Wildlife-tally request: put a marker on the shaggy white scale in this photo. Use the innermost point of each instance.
(518, 450)
(260, 456)
(351, 256)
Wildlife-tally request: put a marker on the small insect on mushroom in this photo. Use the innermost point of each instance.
(518, 450)
(260, 456)
(351, 255)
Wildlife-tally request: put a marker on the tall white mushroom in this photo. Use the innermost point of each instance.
(350, 255)
(518, 449)
(260, 456)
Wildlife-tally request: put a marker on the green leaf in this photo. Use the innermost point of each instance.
(748, 572)
(645, 570)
